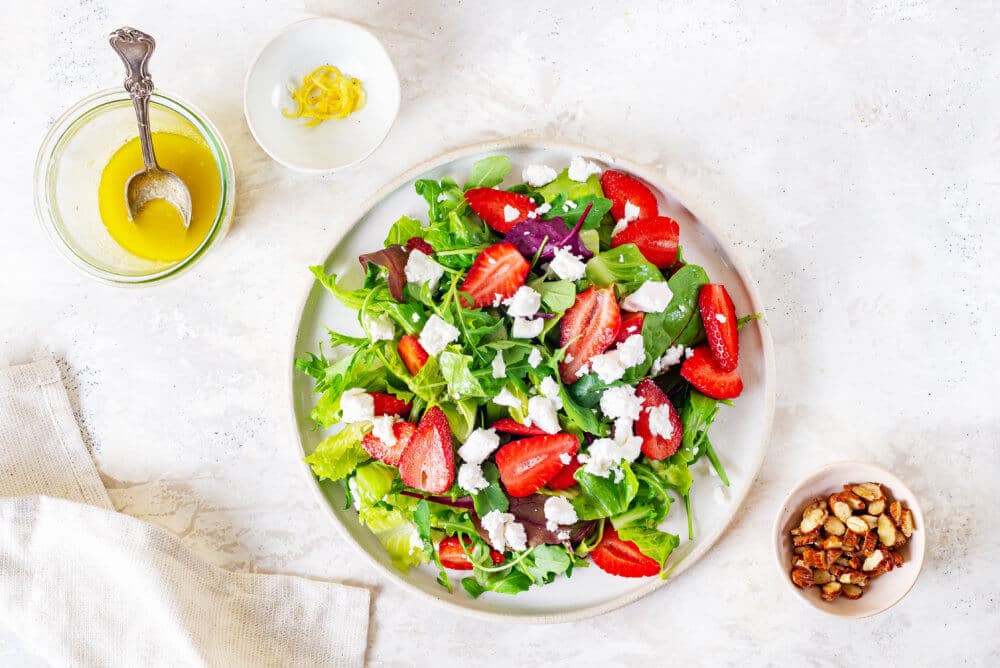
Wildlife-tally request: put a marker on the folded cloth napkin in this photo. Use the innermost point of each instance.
(83, 585)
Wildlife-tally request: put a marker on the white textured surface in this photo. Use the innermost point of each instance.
(850, 151)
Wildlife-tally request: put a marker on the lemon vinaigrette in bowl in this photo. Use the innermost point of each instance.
(157, 233)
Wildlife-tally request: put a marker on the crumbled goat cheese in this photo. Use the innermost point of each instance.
(470, 478)
(480, 445)
(415, 317)
(543, 209)
(526, 329)
(670, 358)
(380, 328)
(505, 398)
(499, 366)
(581, 169)
(565, 458)
(619, 227)
(510, 213)
(569, 204)
(421, 269)
(631, 211)
(562, 535)
(497, 299)
(537, 176)
(542, 413)
(605, 454)
(534, 358)
(550, 389)
(632, 351)
(608, 366)
(524, 303)
(721, 318)
(621, 402)
(382, 429)
(356, 405)
(567, 266)
(659, 421)
(558, 511)
(504, 531)
(437, 334)
(688, 352)
(583, 371)
(651, 297)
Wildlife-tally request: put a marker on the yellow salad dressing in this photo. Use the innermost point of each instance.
(158, 231)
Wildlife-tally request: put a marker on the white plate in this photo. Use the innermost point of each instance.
(296, 51)
(740, 433)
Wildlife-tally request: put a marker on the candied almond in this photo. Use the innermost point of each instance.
(897, 559)
(834, 526)
(857, 525)
(852, 499)
(896, 511)
(831, 543)
(886, 531)
(814, 559)
(812, 518)
(830, 591)
(873, 560)
(852, 591)
(906, 523)
(821, 577)
(869, 491)
(806, 539)
(853, 577)
(870, 520)
(802, 577)
(850, 540)
(871, 542)
(876, 507)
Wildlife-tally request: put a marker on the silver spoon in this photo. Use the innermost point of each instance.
(135, 47)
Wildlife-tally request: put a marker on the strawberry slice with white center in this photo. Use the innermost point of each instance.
(656, 238)
(499, 209)
(621, 188)
(656, 444)
(590, 326)
(702, 371)
(499, 269)
(528, 464)
(718, 315)
(622, 557)
(385, 453)
(428, 462)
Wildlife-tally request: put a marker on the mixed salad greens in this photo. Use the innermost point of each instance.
(539, 369)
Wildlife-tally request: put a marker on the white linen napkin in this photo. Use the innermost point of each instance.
(83, 585)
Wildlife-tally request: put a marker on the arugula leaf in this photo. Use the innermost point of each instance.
(405, 229)
(603, 497)
(507, 581)
(339, 454)
(546, 562)
(655, 544)
(493, 497)
(457, 372)
(422, 518)
(624, 266)
(741, 322)
(488, 172)
(352, 299)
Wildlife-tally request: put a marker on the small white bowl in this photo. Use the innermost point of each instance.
(880, 594)
(296, 51)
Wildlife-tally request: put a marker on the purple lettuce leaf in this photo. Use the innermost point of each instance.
(529, 235)
(393, 259)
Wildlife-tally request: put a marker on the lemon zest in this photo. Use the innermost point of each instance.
(326, 93)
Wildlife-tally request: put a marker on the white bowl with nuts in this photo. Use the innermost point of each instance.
(849, 539)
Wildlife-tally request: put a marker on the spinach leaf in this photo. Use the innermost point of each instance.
(603, 497)
(340, 454)
(493, 497)
(600, 206)
(488, 172)
(558, 296)
(583, 417)
(681, 319)
(697, 413)
(624, 266)
(655, 544)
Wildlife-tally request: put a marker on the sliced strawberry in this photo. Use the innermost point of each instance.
(656, 238)
(656, 446)
(453, 556)
(622, 557)
(702, 371)
(619, 187)
(499, 269)
(631, 325)
(412, 353)
(718, 315)
(511, 426)
(420, 244)
(386, 404)
(492, 205)
(389, 454)
(528, 464)
(564, 479)
(428, 462)
(589, 326)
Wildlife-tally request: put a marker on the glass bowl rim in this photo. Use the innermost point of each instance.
(46, 210)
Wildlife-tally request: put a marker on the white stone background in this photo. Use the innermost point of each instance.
(851, 149)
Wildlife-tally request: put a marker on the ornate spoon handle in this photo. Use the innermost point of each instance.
(135, 48)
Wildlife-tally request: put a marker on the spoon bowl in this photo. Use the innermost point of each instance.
(148, 184)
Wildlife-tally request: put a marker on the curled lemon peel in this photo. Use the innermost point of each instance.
(326, 93)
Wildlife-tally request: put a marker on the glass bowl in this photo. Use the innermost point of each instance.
(68, 171)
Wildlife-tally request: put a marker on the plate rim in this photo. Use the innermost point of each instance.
(649, 174)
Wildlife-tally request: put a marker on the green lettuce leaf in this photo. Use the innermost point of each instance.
(570, 189)
(340, 454)
(371, 483)
(655, 544)
(397, 534)
(488, 172)
(457, 372)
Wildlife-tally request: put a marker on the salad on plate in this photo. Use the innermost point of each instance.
(538, 369)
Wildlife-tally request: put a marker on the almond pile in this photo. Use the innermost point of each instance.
(849, 539)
